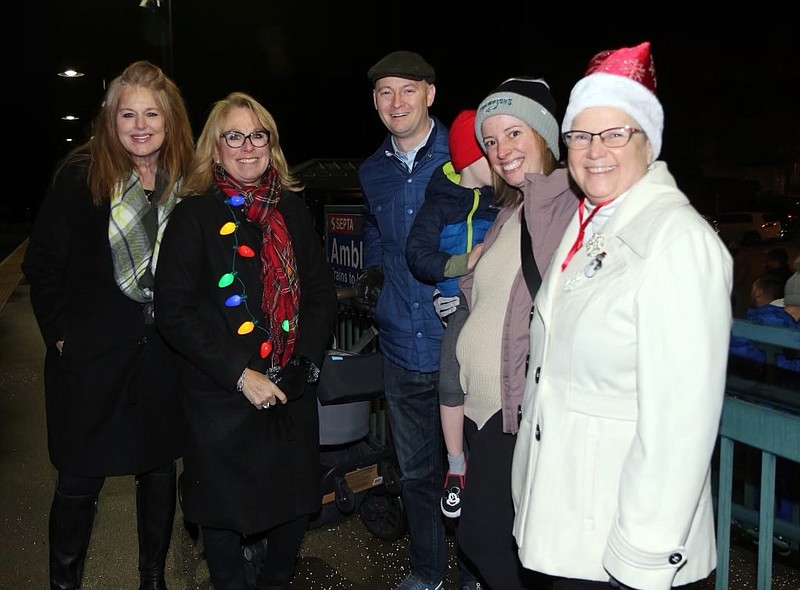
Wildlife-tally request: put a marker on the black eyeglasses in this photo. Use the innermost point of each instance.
(235, 139)
(616, 137)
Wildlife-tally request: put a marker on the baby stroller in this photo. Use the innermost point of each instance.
(358, 465)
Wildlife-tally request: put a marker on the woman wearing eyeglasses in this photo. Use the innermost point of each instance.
(110, 380)
(246, 297)
(629, 343)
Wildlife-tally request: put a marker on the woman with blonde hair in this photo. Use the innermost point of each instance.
(246, 297)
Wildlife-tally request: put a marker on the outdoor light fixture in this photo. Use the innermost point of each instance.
(70, 74)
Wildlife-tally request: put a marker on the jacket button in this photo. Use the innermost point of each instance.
(538, 434)
(538, 373)
(675, 558)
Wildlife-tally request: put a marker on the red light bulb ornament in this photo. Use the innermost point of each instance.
(266, 348)
(245, 251)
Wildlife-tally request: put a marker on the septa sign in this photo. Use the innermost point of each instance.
(344, 244)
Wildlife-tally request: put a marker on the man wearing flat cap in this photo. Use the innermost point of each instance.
(393, 181)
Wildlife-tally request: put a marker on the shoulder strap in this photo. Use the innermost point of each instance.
(529, 270)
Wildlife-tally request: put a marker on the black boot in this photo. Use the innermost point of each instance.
(155, 512)
(71, 521)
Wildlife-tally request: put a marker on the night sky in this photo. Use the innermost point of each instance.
(721, 88)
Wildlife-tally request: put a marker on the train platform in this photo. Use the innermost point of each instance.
(342, 554)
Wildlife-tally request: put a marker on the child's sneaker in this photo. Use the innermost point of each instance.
(451, 496)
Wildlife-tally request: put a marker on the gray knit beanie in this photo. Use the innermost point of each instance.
(527, 99)
(792, 290)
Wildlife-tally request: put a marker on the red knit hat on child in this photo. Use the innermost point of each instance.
(464, 148)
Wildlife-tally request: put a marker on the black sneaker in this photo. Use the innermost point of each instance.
(451, 496)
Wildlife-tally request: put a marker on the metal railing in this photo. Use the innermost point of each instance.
(760, 414)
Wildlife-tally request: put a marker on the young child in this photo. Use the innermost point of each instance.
(445, 243)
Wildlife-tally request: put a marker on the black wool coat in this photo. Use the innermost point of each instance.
(111, 398)
(245, 469)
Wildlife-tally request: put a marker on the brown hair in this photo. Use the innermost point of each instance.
(109, 162)
(202, 170)
(506, 195)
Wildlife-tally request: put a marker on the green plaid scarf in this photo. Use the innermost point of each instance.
(134, 242)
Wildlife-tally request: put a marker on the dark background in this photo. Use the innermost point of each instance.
(729, 94)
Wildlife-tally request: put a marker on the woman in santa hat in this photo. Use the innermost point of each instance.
(611, 476)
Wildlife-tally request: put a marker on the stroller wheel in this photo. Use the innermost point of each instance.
(383, 515)
(345, 498)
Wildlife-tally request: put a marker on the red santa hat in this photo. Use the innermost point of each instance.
(464, 148)
(624, 79)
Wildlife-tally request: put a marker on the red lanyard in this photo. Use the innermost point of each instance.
(581, 231)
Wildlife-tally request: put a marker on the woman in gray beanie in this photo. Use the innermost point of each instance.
(516, 127)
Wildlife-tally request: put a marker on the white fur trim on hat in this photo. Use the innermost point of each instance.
(610, 90)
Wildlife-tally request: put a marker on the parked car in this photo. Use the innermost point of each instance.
(749, 228)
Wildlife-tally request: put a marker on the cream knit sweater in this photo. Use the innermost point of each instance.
(479, 344)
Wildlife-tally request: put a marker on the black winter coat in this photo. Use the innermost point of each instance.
(111, 397)
(245, 469)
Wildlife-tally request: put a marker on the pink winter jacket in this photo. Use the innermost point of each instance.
(549, 203)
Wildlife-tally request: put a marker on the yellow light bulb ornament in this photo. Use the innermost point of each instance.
(228, 228)
(246, 328)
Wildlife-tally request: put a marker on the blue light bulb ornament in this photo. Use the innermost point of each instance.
(235, 200)
(235, 300)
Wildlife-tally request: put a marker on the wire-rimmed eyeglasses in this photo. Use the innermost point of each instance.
(235, 139)
(616, 137)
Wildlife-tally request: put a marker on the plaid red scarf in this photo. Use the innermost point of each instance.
(281, 300)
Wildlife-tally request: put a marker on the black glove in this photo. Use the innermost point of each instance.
(292, 380)
(369, 283)
(294, 375)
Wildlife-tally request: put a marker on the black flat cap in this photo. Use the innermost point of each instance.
(402, 64)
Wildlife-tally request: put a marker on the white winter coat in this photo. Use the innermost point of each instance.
(611, 472)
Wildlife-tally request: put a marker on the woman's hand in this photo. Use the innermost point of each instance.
(260, 390)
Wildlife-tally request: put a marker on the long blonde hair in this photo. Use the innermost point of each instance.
(108, 161)
(201, 175)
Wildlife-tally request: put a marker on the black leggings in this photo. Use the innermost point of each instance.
(487, 511)
(225, 559)
(82, 485)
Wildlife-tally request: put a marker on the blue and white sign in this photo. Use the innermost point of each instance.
(344, 244)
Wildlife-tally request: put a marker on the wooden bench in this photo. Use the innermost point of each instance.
(11, 273)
